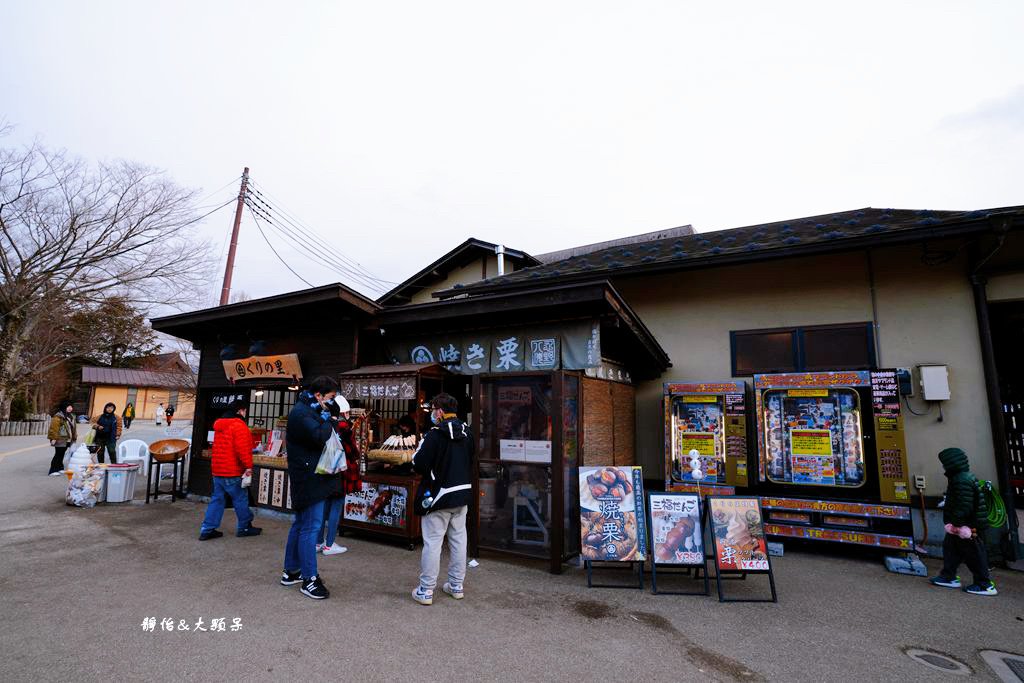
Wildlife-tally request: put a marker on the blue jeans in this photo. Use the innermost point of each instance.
(223, 487)
(300, 551)
(332, 515)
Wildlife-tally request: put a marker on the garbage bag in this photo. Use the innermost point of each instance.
(85, 486)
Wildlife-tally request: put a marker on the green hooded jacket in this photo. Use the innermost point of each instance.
(965, 504)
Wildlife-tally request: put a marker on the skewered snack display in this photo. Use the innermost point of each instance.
(395, 450)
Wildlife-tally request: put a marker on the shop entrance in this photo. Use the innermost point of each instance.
(1007, 321)
(528, 445)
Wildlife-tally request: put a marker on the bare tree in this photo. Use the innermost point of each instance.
(73, 233)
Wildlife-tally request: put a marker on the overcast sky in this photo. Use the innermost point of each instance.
(400, 129)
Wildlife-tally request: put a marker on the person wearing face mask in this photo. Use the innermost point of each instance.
(310, 424)
(62, 435)
(108, 431)
(444, 458)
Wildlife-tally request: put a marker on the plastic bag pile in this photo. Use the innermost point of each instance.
(85, 486)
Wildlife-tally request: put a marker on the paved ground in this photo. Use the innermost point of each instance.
(76, 585)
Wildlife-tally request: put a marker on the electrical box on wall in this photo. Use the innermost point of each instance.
(934, 382)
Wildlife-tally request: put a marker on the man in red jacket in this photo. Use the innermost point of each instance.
(231, 459)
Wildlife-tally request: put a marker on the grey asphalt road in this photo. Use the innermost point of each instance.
(76, 586)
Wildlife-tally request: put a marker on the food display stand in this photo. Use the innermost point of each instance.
(710, 418)
(382, 395)
(832, 458)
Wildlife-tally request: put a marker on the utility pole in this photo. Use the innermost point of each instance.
(225, 292)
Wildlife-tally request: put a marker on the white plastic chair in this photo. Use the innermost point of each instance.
(132, 451)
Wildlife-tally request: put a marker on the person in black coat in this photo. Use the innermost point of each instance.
(444, 458)
(310, 424)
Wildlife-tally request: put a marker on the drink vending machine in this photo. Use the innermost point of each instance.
(832, 461)
(710, 418)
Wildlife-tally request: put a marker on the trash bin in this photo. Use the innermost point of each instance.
(121, 482)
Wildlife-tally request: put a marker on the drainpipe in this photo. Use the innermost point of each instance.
(995, 403)
(500, 251)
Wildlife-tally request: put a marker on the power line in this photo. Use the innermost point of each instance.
(277, 208)
(347, 264)
(313, 254)
(316, 252)
(260, 228)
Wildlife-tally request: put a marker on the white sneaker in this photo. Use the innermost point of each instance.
(335, 549)
(423, 596)
(58, 473)
(454, 591)
(319, 547)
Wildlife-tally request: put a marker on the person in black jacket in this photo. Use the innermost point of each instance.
(444, 458)
(309, 426)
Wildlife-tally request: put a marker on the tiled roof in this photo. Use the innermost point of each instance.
(836, 231)
(123, 377)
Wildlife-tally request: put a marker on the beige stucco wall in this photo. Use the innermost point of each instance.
(1006, 287)
(925, 315)
(463, 276)
(147, 399)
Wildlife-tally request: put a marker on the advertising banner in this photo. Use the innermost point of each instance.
(377, 504)
(738, 530)
(676, 528)
(613, 526)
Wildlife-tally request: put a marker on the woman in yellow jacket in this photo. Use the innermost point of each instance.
(62, 435)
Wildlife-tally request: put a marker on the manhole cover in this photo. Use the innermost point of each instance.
(940, 662)
(1008, 666)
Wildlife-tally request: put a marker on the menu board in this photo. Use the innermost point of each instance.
(378, 504)
(676, 528)
(737, 528)
(612, 521)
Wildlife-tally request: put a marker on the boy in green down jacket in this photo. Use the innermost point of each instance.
(966, 518)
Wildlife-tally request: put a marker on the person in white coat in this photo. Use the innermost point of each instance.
(158, 414)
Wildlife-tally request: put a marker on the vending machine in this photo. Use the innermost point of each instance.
(832, 460)
(711, 419)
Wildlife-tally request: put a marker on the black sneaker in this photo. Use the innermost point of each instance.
(250, 530)
(290, 577)
(207, 535)
(982, 589)
(315, 588)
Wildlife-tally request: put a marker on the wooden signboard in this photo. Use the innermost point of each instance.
(285, 366)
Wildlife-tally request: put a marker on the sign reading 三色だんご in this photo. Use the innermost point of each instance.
(285, 366)
(676, 528)
(612, 522)
(737, 529)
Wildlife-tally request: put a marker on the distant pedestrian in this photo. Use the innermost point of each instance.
(108, 431)
(230, 460)
(966, 516)
(128, 415)
(169, 413)
(158, 414)
(62, 435)
(443, 458)
(310, 424)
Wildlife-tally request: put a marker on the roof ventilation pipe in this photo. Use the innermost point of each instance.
(500, 251)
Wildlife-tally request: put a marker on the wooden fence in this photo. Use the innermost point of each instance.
(23, 428)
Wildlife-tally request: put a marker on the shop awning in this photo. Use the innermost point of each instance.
(386, 381)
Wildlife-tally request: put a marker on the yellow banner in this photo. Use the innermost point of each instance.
(703, 442)
(807, 392)
(700, 399)
(810, 442)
